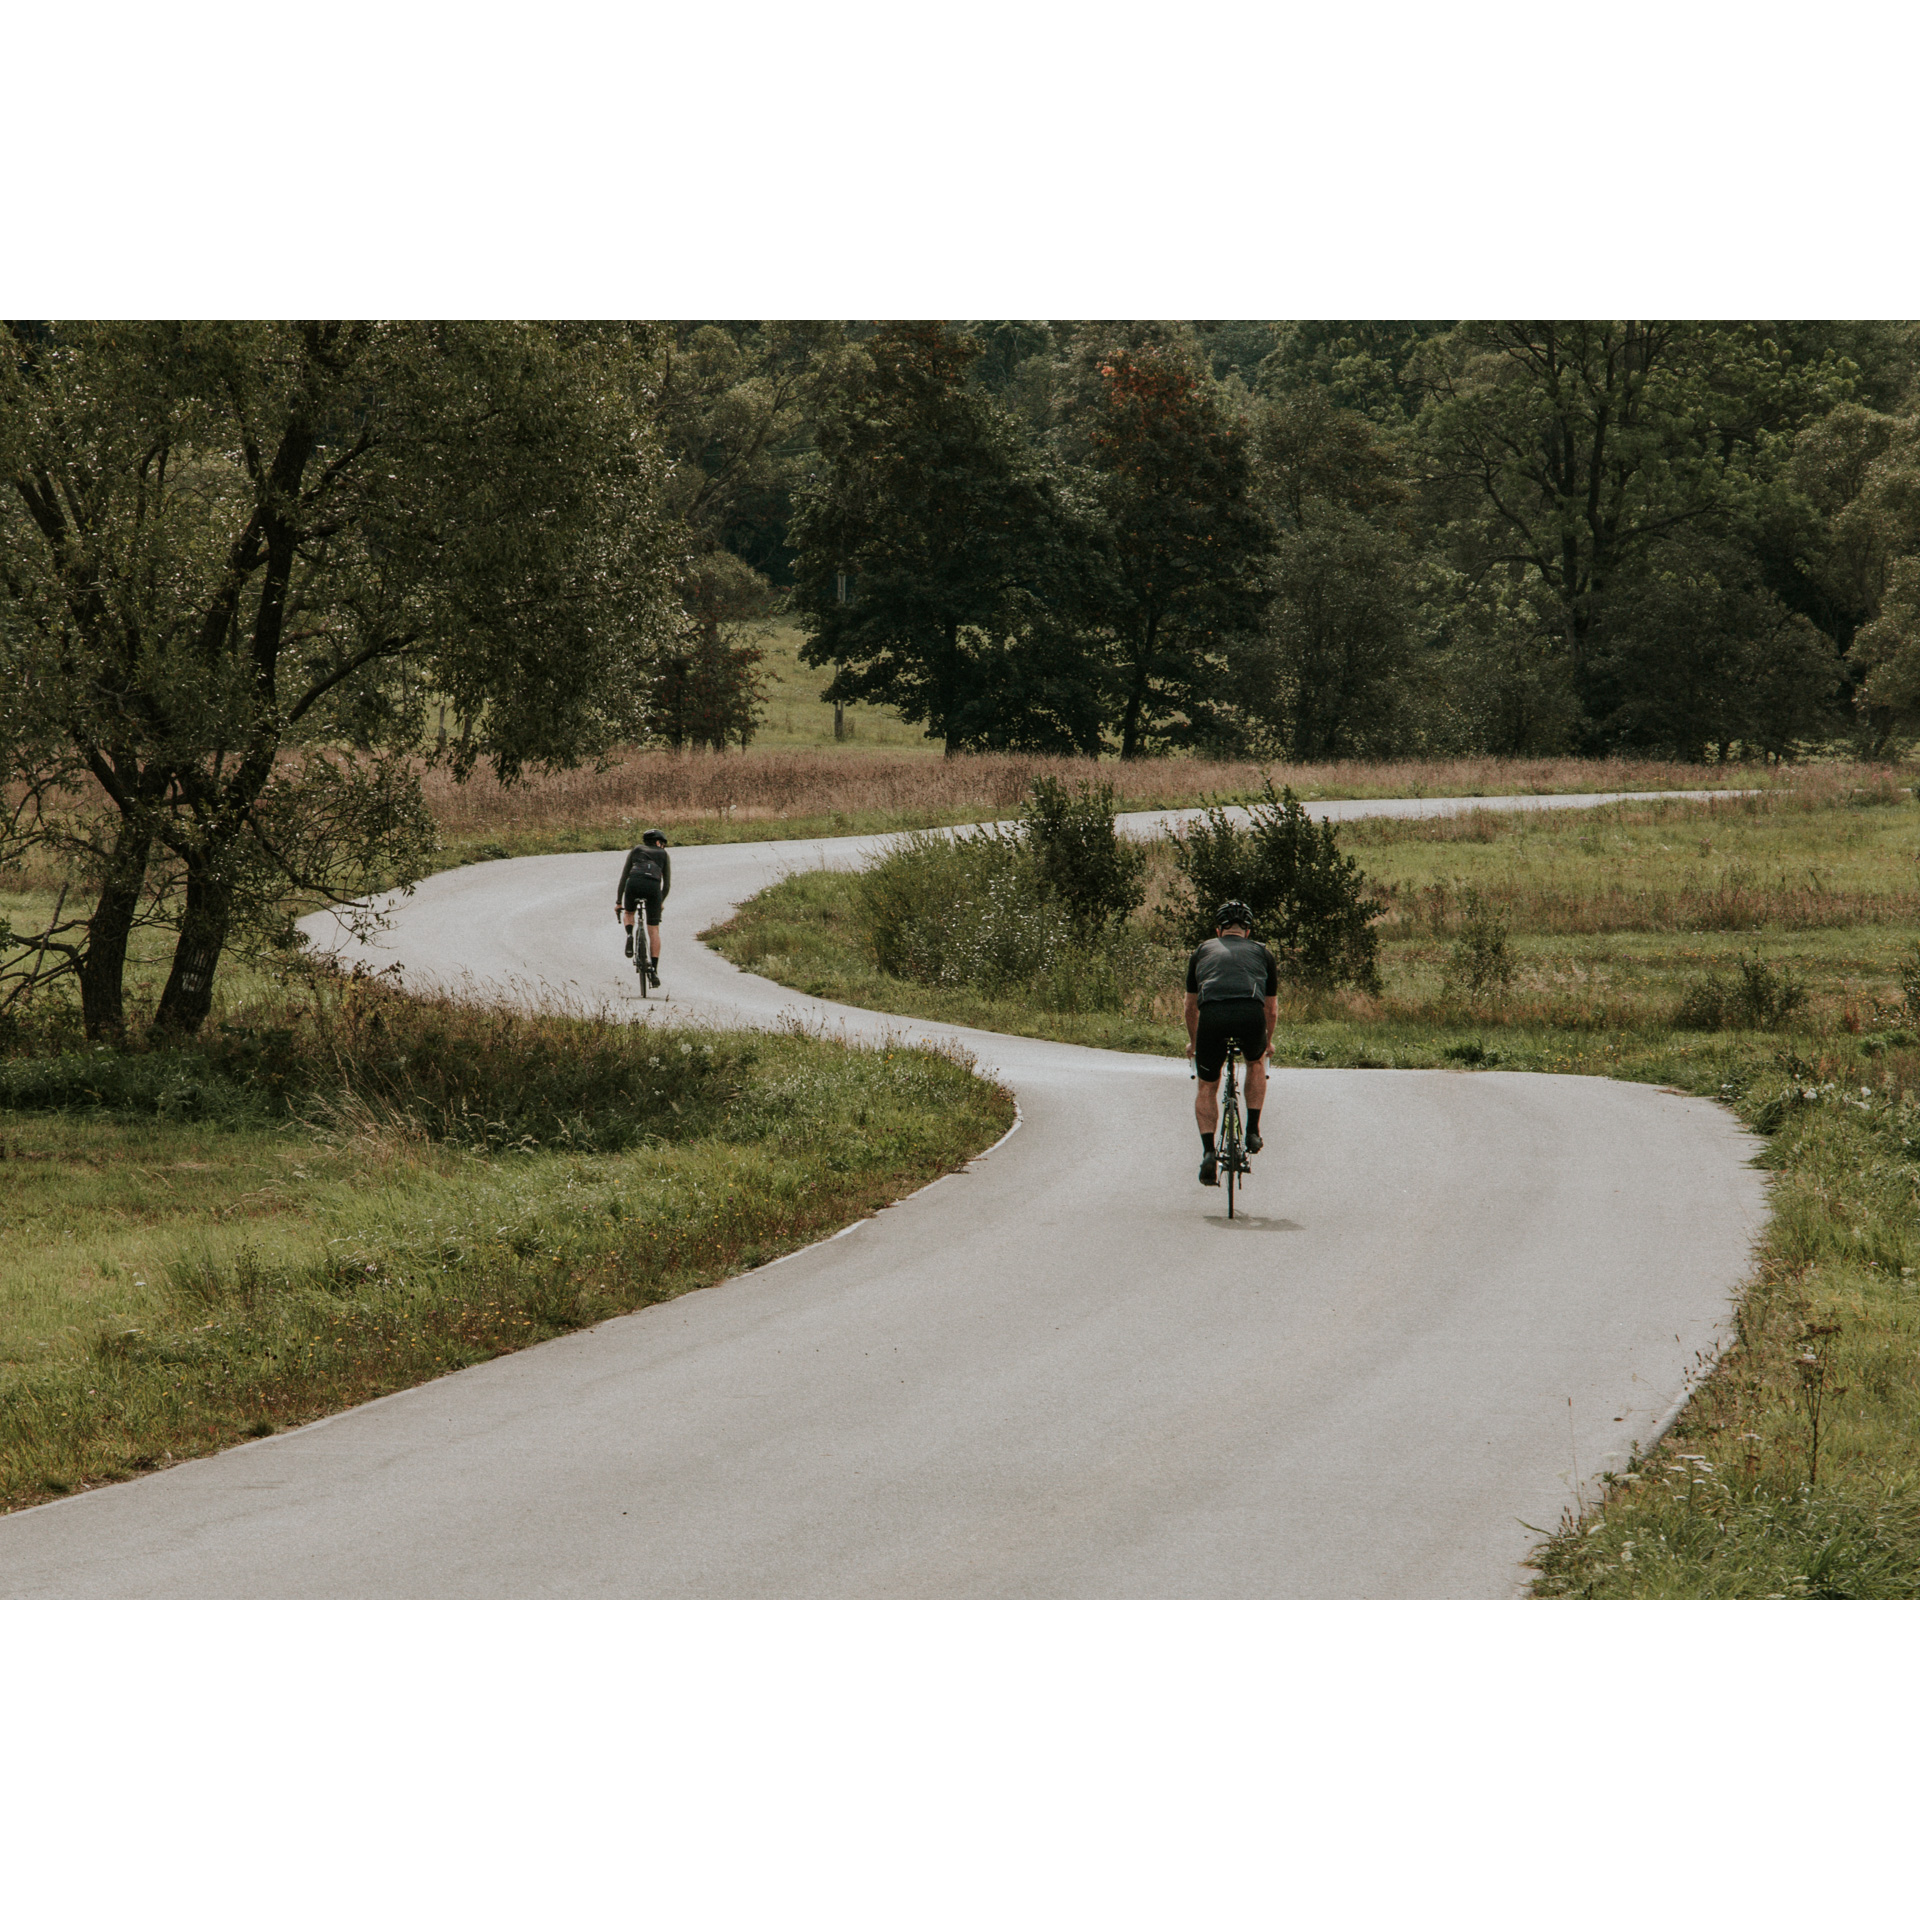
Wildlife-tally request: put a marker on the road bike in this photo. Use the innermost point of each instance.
(1234, 1160)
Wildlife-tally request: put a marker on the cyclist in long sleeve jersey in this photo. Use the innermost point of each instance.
(1233, 992)
(645, 882)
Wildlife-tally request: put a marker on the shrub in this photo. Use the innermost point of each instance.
(1481, 961)
(1756, 995)
(1077, 857)
(942, 910)
(975, 911)
(1308, 899)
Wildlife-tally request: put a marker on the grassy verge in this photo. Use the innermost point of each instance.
(1796, 1470)
(329, 1205)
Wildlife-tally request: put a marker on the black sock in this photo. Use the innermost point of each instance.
(1206, 1143)
(1253, 1119)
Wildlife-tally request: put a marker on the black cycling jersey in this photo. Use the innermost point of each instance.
(648, 870)
(1230, 967)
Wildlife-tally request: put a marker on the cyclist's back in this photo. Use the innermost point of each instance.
(1232, 967)
(649, 869)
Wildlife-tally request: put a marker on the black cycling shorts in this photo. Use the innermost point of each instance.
(1224, 1020)
(650, 897)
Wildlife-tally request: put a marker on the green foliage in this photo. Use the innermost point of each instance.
(708, 688)
(1887, 652)
(1578, 452)
(1171, 472)
(732, 404)
(1078, 857)
(1342, 655)
(1309, 900)
(244, 561)
(1482, 957)
(1500, 682)
(984, 912)
(1690, 653)
(970, 912)
(1370, 368)
(945, 567)
(1757, 994)
(1337, 672)
(1041, 908)
(1313, 457)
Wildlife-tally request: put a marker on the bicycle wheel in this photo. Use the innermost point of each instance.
(1230, 1133)
(640, 951)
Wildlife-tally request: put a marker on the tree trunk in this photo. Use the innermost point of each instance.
(188, 996)
(1131, 723)
(104, 964)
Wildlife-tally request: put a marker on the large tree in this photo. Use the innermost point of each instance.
(945, 567)
(239, 561)
(1339, 624)
(1691, 654)
(1170, 470)
(1572, 450)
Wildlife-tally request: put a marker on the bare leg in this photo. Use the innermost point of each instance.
(653, 939)
(1256, 1083)
(1206, 1105)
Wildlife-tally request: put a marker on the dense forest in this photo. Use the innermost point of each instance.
(1314, 539)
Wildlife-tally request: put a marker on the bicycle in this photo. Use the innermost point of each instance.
(1235, 1162)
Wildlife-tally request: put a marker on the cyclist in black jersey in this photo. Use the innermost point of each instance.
(1233, 992)
(645, 882)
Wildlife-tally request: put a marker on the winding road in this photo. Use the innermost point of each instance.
(1059, 1374)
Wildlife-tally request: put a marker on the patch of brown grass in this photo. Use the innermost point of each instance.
(661, 788)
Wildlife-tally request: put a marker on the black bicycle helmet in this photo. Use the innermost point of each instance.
(1232, 913)
(653, 837)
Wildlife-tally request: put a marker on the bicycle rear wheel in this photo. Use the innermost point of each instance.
(1230, 1135)
(640, 951)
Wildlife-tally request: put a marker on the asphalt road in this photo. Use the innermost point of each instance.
(1454, 1299)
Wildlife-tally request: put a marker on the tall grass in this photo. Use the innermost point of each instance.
(357, 1051)
(1821, 852)
(668, 789)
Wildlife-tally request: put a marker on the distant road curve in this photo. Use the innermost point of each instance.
(1062, 1373)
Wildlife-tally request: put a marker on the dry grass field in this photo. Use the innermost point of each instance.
(782, 793)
